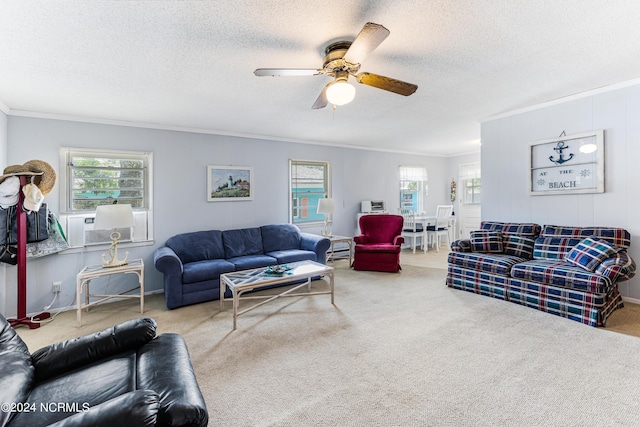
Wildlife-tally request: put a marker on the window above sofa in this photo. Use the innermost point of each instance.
(309, 181)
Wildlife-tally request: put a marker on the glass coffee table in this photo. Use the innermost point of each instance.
(243, 281)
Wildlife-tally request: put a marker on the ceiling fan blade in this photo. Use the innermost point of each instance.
(367, 40)
(286, 72)
(387, 83)
(322, 100)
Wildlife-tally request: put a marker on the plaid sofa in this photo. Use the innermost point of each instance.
(568, 271)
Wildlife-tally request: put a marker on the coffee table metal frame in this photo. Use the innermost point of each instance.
(243, 281)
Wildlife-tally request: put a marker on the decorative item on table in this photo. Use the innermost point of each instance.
(277, 270)
(326, 206)
(113, 217)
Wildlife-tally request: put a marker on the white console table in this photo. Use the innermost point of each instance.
(90, 272)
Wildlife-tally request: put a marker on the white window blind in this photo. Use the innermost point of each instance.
(413, 187)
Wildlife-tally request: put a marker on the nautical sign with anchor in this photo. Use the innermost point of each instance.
(560, 147)
(561, 165)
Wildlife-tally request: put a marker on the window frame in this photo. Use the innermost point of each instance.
(469, 172)
(470, 198)
(420, 191)
(143, 215)
(294, 204)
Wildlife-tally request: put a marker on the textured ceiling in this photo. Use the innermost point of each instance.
(189, 64)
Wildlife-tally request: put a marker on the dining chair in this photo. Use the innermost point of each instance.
(441, 226)
(411, 229)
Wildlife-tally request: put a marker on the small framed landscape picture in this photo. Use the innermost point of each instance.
(229, 183)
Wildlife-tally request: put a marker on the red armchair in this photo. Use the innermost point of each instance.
(378, 247)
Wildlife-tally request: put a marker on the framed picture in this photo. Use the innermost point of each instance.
(229, 183)
(568, 164)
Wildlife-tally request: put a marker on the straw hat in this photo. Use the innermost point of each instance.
(44, 176)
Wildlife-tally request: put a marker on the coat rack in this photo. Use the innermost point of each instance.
(21, 224)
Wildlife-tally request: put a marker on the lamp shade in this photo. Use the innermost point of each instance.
(326, 206)
(340, 92)
(113, 216)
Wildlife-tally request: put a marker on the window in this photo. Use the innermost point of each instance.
(413, 188)
(308, 181)
(470, 178)
(91, 178)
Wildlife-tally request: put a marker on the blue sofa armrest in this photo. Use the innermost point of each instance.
(316, 243)
(166, 261)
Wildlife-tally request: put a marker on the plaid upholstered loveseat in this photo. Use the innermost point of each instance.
(572, 272)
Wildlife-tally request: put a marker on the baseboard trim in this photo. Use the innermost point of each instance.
(631, 300)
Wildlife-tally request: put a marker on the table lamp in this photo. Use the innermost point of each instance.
(326, 207)
(113, 217)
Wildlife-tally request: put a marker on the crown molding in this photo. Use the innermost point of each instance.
(143, 125)
(4, 108)
(564, 99)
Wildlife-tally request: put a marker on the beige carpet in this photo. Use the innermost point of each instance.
(396, 350)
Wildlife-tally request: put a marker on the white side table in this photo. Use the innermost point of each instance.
(90, 272)
(339, 239)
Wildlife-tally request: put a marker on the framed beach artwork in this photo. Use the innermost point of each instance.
(571, 164)
(229, 183)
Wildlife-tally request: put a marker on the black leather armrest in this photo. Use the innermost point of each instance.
(133, 409)
(67, 355)
(164, 366)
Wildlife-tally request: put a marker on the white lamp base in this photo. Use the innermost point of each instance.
(327, 230)
(113, 252)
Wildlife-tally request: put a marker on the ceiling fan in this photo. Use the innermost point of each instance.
(342, 59)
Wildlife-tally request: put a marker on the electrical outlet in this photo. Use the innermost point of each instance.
(56, 287)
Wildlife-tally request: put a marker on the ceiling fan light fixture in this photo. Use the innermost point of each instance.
(340, 92)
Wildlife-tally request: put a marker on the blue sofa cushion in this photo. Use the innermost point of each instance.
(293, 255)
(252, 261)
(197, 246)
(241, 242)
(280, 237)
(206, 270)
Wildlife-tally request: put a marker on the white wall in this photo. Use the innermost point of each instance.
(180, 161)
(505, 163)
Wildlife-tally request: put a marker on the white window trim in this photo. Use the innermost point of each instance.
(417, 174)
(143, 217)
(328, 190)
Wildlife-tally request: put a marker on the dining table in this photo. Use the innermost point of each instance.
(426, 220)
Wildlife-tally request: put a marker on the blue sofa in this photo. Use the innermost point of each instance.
(193, 262)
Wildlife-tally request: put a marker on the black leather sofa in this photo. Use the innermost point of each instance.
(122, 376)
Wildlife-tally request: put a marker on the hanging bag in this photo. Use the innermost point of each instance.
(37, 225)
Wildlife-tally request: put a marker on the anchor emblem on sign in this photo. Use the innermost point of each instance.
(560, 147)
